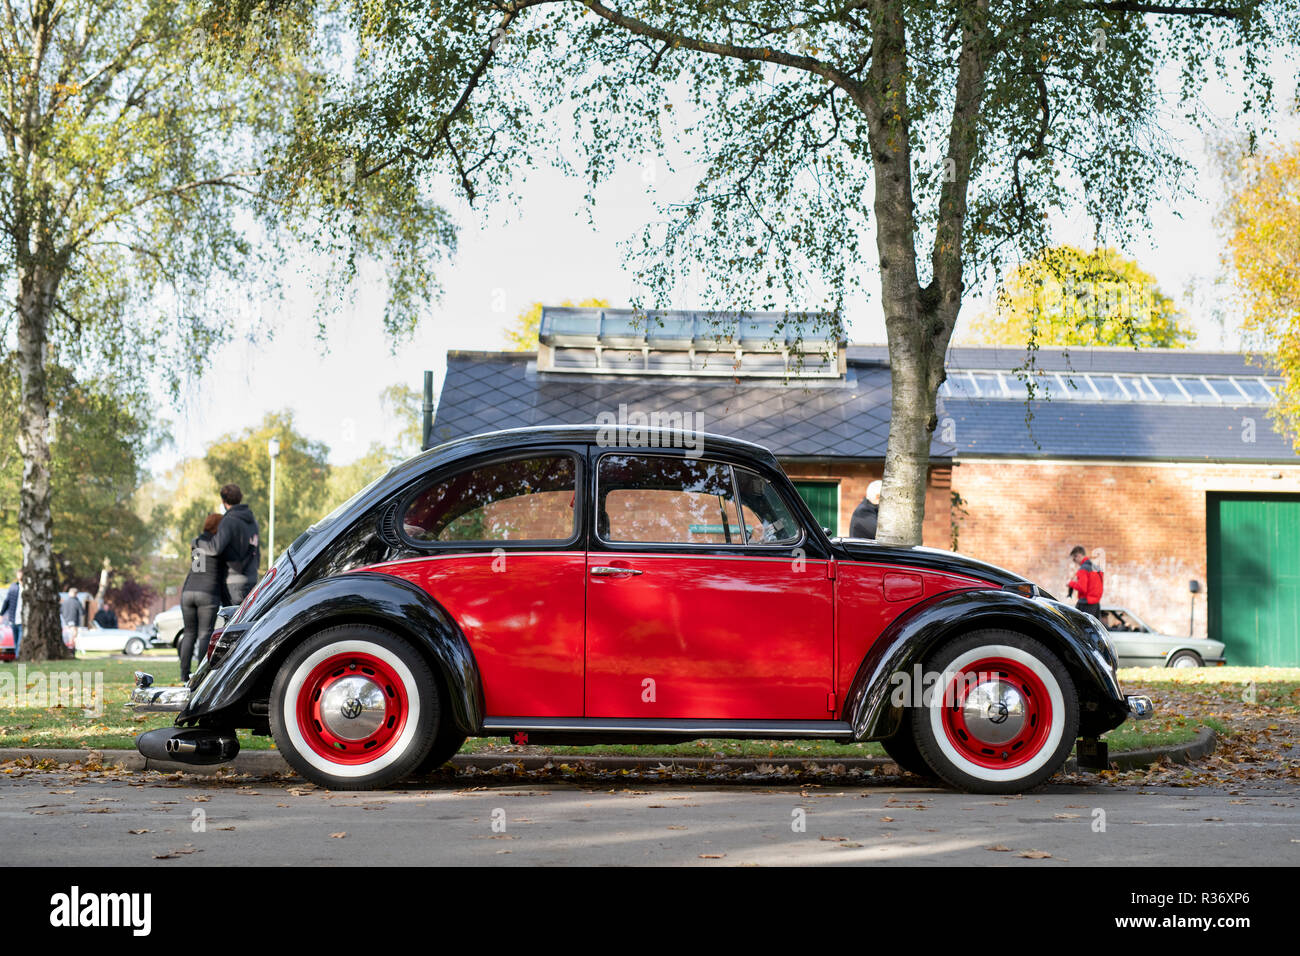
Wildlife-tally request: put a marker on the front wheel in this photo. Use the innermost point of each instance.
(1185, 659)
(1003, 717)
(134, 647)
(354, 708)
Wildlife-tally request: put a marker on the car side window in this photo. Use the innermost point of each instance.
(653, 499)
(525, 499)
(764, 514)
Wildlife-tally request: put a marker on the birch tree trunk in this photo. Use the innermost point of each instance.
(42, 629)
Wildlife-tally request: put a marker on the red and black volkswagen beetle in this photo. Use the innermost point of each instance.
(599, 584)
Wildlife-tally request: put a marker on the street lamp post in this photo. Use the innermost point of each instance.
(273, 448)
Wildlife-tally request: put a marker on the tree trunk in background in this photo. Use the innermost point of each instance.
(907, 456)
(42, 629)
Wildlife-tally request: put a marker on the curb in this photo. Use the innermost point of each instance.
(265, 763)
(1201, 746)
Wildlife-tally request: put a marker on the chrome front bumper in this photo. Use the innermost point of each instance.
(1139, 708)
(146, 698)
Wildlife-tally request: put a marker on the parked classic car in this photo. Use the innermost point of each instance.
(610, 584)
(168, 627)
(1139, 645)
(128, 641)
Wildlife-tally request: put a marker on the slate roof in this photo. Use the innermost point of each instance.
(844, 419)
(848, 419)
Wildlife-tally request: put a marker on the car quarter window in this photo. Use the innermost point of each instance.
(524, 499)
(662, 500)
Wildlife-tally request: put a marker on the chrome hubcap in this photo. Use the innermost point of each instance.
(1184, 662)
(353, 707)
(994, 712)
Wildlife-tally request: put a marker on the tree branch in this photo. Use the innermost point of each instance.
(1037, 150)
(734, 51)
(1240, 12)
(946, 256)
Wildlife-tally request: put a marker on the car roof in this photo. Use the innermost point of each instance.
(624, 435)
(629, 437)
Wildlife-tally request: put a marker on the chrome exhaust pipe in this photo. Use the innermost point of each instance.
(199, 746)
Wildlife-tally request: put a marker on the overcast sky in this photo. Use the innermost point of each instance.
(544, 249)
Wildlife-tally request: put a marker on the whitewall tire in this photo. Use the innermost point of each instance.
(1003, 717)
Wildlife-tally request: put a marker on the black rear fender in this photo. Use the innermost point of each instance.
(244, 675)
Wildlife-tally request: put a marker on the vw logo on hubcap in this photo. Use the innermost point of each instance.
(353, 708)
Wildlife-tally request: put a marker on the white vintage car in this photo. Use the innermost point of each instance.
(125, 641)
(168, 627)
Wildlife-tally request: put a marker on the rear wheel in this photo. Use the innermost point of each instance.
(134, 647)
(449, 742)
(1004, 716)
(1185, 659)
(355, 707)
(903, 751)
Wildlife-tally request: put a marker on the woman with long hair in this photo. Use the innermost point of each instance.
(202, 595)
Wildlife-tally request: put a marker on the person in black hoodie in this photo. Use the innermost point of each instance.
(202, 594)
(237, 544)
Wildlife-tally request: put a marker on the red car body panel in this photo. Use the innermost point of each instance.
(720, 637)
(868, 597)
(743, 637)
(522, 614)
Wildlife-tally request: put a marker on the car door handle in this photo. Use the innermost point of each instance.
(613, 572)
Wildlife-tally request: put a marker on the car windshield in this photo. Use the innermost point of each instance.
(1114, 619)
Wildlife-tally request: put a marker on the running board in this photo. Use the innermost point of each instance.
(690, 729)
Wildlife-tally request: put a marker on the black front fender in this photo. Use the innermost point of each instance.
(904, 646)
(225, 691)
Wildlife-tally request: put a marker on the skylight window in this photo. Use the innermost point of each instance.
(1107, 387)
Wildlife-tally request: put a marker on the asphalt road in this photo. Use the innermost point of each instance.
(152, 820)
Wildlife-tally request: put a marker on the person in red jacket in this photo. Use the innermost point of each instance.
(1087, 582)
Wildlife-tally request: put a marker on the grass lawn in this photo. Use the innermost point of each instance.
(1202, 696)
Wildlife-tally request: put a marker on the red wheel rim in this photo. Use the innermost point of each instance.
(352, 708)
(997, 713)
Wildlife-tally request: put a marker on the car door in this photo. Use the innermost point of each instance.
(699, 602)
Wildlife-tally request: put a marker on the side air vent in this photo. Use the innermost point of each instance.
(388, 525)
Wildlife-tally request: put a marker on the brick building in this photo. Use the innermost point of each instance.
(1163, 462)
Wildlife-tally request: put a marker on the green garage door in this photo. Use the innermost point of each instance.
(823, 500)
(1254, 571)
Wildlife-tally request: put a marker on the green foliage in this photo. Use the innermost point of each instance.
(404, 403)
(1069, 296)
(301, 477)
(1262, 219)
(152, 172)
(775, 103)
(103, 432)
